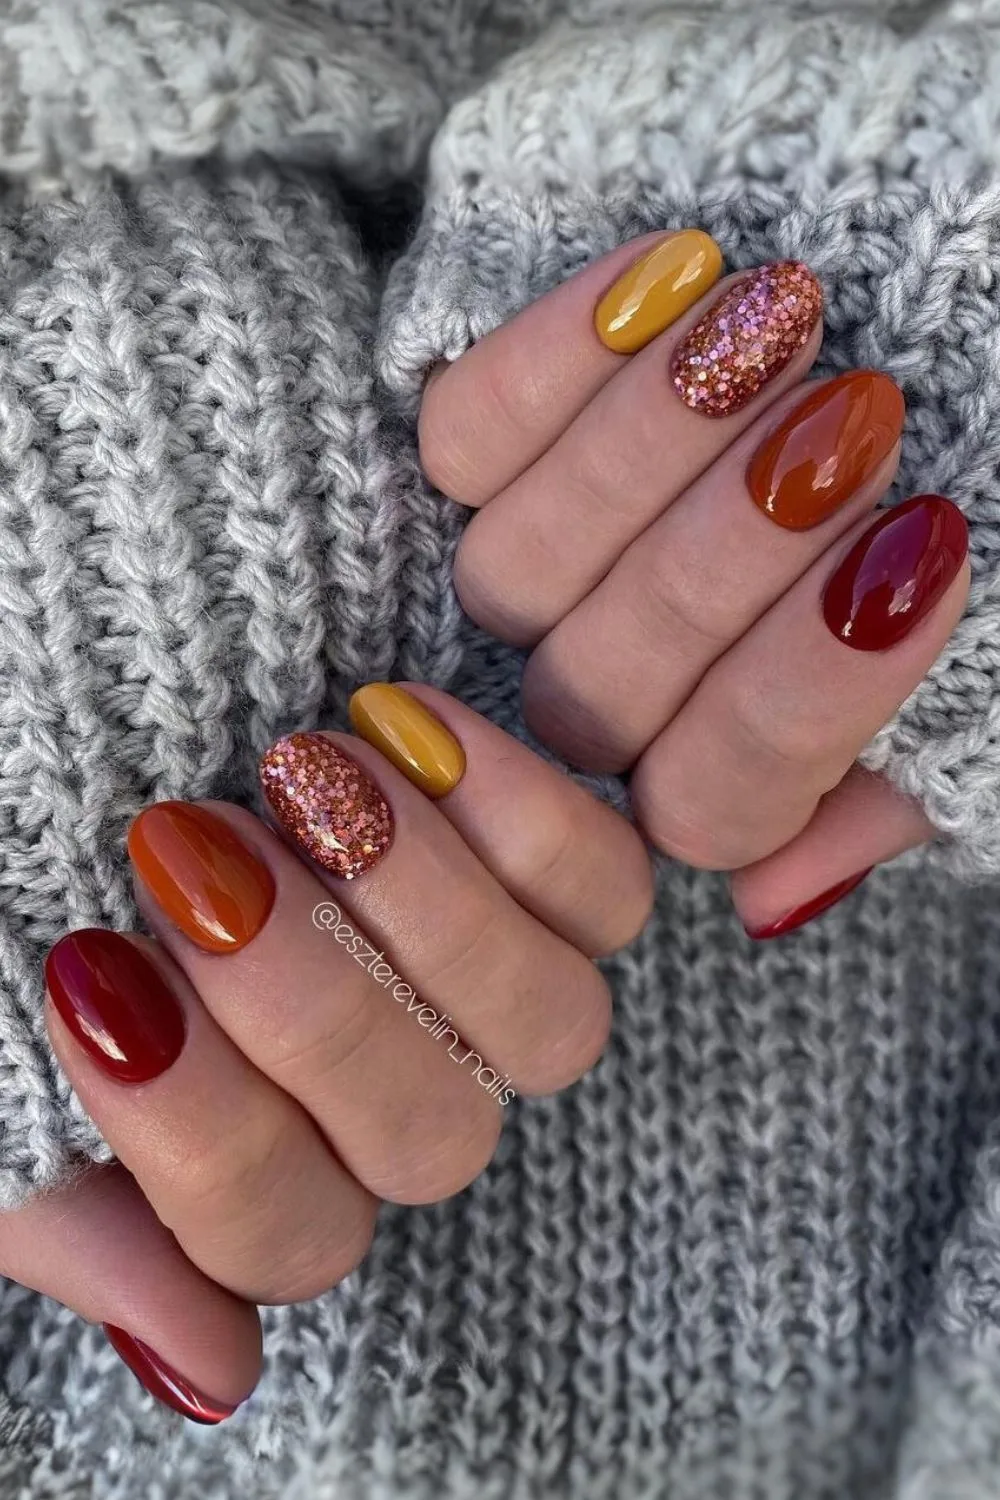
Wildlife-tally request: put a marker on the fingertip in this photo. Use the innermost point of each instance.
(864, 822)
(94, 1244)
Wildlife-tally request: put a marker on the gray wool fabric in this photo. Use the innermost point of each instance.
(755, 1253)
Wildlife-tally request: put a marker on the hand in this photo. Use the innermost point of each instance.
(323, 1019)
(678, 527)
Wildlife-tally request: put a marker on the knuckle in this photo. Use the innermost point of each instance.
(232, 1206)
(471, 946)
(567, 856)
(576, 1048)
(440, 457)
(314, 1262)
(430, 1163)
(493, 586)
(307, 1059)
(456, 410)
(672, 824)
(675, 596)
(629, 901)
(473, 582)
(771, 730)
(558, 711)
(547, 855)
(212, 1176)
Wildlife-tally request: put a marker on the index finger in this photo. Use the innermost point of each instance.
(492, 413)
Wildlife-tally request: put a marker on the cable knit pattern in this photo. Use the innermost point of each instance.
(756, 1252)
(128, 83)
(206, 542)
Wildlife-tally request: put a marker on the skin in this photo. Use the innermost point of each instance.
(250, 1172)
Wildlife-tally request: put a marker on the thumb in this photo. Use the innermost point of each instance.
(95, 1245)
(862, 823)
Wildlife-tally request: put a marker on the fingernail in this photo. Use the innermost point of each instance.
(800, 915)
(896, 572)
(115, 1004)
(201, 875)
(747, 338)
(332, 809)
(162, 1380)
(657, 289)
(824, 450)
(409, 735)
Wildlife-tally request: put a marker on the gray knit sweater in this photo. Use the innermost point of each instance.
(756, 1252)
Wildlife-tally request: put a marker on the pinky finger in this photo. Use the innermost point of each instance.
(95, 1245)
(862, 823)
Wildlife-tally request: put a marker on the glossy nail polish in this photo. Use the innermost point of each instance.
(746, 338)
(115, 1004)
(409, 735)
(163, 1381)
(896, 573)
(800, 915)
(654, 292)
(201, 875)
(331, 808)
(825, 449)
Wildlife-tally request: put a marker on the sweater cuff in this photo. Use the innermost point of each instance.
(906, 262)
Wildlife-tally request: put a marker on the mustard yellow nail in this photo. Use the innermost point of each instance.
(657, 289)
(409, 735)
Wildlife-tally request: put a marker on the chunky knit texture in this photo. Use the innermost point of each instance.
(756, 1252)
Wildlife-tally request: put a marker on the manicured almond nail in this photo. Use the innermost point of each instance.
(115, 1004)
(826, 448)
(657, 289)
(896, 573)
(409, 735)
(201, 875)
(747, 338)
(328, 804)
(800, 915)
(162, 1380)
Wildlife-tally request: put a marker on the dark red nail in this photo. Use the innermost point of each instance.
(163, 1381)
(800, 915)
(895, 574)
(116, 1005)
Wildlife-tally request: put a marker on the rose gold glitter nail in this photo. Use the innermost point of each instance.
(327, 803)
(746, 338)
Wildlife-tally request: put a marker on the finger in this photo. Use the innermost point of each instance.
(306, 1011)
(488, 416)
(231, 1165)
(95, 1245)
(615, 671)
(548, 842)
(527, 1001)
(550, 537)
(863, 822)
(781, 718)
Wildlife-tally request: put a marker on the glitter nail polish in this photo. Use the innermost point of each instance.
(335, 813)
(746, 338)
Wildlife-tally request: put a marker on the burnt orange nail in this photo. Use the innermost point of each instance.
(201, 875)
(824, 450)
